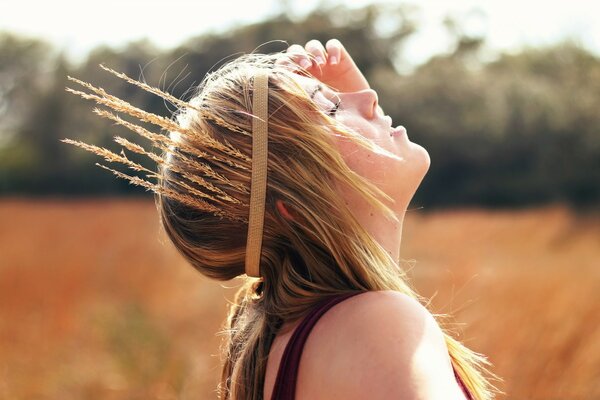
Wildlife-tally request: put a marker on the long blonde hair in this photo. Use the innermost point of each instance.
(323, 252)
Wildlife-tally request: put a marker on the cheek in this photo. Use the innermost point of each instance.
(367, 164)
(355, 156)
(398, 179)
(360, 126)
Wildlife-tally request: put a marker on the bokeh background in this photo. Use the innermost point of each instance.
(504, 234)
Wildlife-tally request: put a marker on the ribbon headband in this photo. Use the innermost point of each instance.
(258, 184)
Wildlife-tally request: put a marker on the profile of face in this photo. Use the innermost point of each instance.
(397, 177)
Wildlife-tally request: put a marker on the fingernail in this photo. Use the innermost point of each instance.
(305, 63)
(333, 60)
(319, 60)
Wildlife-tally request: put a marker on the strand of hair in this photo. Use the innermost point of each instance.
(174, 100)
(198, 166)
(197, 192)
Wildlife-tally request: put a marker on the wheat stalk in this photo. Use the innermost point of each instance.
(184, 150)
(169, 142)
(181, 197)
(175, 100)
(162, 142)
(193, 178)
(102, 97)
(109, 155)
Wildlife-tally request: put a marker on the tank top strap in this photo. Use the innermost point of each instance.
(285, 383)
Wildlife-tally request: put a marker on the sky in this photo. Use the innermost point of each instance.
(78, 26)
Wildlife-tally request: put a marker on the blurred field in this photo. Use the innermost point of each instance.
(96, 304)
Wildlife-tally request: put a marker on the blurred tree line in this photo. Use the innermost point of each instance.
(520, 130)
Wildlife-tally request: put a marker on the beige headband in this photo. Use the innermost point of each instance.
(258, 183)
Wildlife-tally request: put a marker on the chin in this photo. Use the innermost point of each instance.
(421, 159)
(412, 177)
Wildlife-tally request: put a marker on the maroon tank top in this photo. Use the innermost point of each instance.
(285, 383)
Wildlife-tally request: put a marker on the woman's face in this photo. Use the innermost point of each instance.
(360, 111)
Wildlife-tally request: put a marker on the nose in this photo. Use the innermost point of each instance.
(364, 101)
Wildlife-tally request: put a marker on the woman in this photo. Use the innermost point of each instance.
(284, 168)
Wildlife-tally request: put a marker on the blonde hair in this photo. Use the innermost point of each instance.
(323, 252)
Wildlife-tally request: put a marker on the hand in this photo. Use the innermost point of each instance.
(331, 64)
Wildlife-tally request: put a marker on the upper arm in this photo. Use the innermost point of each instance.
(394, 350)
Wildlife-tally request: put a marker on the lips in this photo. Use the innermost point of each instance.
(398, 131)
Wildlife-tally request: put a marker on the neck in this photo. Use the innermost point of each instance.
(386, 232)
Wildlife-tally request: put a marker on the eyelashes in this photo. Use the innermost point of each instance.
(332, 112)
(336, 106)
(314, 92)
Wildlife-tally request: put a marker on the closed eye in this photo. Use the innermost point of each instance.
(336, 106)
(314, 92)
(332, 112)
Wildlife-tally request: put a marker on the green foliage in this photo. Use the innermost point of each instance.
(25, 66)
(522, 129)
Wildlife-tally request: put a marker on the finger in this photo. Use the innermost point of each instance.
(334, 50)
(299, 56)
(316, 48)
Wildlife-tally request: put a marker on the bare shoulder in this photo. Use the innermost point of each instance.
(381, 345)
(391, 318)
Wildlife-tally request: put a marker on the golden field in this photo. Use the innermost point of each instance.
(96, 304)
